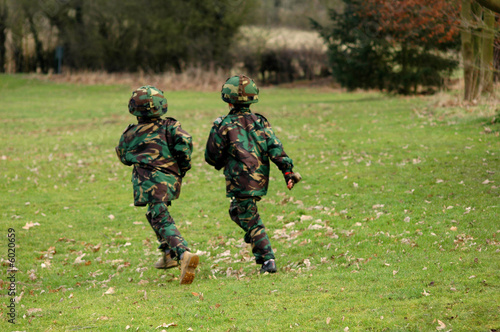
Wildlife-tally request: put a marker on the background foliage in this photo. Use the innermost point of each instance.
(386, 45)
(405, 47)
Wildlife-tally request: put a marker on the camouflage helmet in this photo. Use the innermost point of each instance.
(147, 101)
(240, 89)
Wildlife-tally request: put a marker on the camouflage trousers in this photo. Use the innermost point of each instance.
(243, 212)
(164, 226)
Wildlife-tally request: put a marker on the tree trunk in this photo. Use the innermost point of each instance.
(3, 27)
(493, 5)
(39, 56)
(477, 49)
(467, 50)
(488, 38)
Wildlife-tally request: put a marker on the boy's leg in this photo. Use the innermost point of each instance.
(244, 213)
(163, 242)
(166, 261)
(164, 226)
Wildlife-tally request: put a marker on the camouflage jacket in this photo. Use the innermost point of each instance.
(160, 151)
(243, 142)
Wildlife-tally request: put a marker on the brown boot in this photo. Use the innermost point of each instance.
(189, 262)
(165, 262)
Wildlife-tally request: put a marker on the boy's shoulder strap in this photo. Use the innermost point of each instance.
(169, 119)
(219, 120)
(262, 116)
(128, 128)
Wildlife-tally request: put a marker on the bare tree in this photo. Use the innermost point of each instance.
(478, 35)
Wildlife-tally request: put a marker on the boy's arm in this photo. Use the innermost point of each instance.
(278, 156)
(215, 152)
(182, 147)
(275, 150)
(121, 149)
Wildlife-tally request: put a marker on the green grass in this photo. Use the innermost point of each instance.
(394, 227)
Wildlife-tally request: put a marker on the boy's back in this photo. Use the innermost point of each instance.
(160, 151)
(244, 142)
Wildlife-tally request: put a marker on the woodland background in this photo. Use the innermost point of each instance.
(407, 47)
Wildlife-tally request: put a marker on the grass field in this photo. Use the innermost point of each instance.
(395, 226)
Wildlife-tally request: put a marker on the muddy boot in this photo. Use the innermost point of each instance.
(189, 262)
(165, 262)
(269, 266)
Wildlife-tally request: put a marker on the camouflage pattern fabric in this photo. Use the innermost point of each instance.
(240, 89)
(244, 213)
(164, 226)
(243, 142)
(160, 151)
(148, 101)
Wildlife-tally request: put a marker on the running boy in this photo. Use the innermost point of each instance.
(160, 151)
(242, 143)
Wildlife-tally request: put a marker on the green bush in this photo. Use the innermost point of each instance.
(365, 52)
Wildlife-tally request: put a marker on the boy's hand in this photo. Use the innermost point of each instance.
(291, 179)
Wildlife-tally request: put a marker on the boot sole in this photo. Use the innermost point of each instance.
(166, 267)
(187, 275)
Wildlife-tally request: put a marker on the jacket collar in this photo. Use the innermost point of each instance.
(143, 119)
(240, 109)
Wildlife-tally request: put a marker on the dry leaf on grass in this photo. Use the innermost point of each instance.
(441, 326)
(111, 290)
(33, 310)
(79, 259)
(166, 325)
(30, 224)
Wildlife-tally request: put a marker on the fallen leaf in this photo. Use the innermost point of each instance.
(79, 259)
(441, 325)
(315, 227)
(17, 299)
(33, 310)
(166, 325)
(111, 290)
(30, 224)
